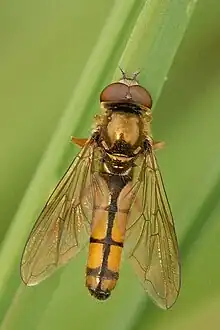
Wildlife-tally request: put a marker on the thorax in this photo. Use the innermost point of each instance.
(122, 139)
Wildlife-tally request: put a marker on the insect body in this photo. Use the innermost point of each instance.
(114, 194)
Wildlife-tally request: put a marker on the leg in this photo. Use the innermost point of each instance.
(79, 142)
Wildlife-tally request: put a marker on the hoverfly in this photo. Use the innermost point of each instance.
(111, 195)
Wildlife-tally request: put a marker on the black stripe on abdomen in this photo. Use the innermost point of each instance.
(108, 241)
(109, 274)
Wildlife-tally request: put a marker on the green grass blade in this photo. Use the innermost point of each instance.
(144, 35)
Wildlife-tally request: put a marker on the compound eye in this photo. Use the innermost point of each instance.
(141, 96)
(115, 92)
(119, 92)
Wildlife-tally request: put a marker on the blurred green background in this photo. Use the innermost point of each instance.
(55, 57)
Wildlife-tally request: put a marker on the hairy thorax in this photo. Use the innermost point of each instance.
(124, 127)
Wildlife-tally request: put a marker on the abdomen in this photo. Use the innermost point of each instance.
(107, 235)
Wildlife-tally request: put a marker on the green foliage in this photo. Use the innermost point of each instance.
(55, 58)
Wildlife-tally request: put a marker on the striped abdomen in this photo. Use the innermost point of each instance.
(112, 203)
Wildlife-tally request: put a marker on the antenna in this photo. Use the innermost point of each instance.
(123, 73)
(134, 75)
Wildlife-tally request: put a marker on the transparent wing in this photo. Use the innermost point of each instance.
(151, 240)
(64, 224)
